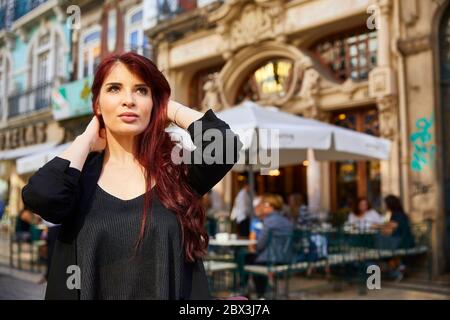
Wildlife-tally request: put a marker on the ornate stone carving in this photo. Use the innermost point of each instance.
(387, 109)
(314, 112)
(410, 12)
(241, 23)
(415, 45)
(349, 88)
(310, 87)
(381, 82)
(212, 98)
(384, 5)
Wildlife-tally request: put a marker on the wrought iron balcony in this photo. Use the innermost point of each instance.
(2, 17)
(33, 99)
(22, 7)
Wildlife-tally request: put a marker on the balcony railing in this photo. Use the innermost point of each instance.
(33, 99)
(2, 17)
(145, 50)
(22, 7)
(170, 8)
(166, 9)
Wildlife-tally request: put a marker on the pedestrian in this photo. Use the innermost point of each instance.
(132, 222)
(243, 210)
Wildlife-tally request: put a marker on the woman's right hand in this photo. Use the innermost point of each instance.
(95, 137)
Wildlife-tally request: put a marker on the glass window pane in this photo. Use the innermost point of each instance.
(360, 47)
(353, 51)
(86, 63)
(372, 45)
(93, 36)
(137, 17)
(362, 61)
(96, 57)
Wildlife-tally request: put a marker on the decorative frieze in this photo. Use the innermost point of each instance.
(415, 45)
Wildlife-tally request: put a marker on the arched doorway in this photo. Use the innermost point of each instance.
(444, 53)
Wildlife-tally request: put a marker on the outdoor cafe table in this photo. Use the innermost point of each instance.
(236, 245)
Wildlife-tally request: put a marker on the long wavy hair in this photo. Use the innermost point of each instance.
(153, 152)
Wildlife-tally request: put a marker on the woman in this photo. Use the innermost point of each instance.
(363, 216)
(131, 214)
(395, 234)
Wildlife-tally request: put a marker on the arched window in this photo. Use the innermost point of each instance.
(271, 80)
(135, 40)
(90, 47)
(348, 55)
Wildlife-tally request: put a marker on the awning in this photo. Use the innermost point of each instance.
(24, 151)
(35, 161)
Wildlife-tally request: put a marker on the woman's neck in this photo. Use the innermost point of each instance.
(120, 150)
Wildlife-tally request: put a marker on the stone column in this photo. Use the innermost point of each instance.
(390, 169)
(382, 87)
(314, 183)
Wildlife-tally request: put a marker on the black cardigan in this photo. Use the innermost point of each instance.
(62, 194)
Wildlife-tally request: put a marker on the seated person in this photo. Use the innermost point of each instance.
(273, 222)
(395, 234)
(256, 224)
(363, 216)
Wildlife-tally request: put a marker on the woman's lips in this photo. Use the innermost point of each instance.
(128, 119)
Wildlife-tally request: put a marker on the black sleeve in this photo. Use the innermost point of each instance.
(210, 161)
(52, 191)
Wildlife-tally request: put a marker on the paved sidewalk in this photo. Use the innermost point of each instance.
(20, 285)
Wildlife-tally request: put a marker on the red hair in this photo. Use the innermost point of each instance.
(153, 152)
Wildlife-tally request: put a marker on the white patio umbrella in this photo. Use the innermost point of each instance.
(289, 137)
(293, 135)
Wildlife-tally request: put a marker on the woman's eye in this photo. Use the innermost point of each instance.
(142, 91)
(113, 89)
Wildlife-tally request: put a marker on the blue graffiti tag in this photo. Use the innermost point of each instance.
(423, 153)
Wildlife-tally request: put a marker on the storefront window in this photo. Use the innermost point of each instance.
(353, 179)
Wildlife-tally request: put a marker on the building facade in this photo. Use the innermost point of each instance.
(376, 66)
(34, 54)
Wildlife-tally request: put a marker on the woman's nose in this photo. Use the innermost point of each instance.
(128, 99)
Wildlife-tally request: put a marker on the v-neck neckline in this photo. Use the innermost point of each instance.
(123, 200)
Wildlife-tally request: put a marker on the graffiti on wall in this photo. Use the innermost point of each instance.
(422, 146)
